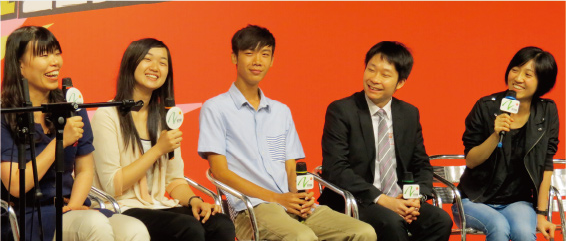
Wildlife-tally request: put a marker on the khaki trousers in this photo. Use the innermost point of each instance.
(274, 223)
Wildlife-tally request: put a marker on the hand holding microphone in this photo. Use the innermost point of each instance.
(74, 126)
(509, 105)
(174, 119)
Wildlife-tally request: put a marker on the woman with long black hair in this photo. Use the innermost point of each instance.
(35, 54)
(131, 159)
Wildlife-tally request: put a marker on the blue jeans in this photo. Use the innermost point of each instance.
(516, 221)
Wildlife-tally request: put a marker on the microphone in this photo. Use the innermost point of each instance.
(509, 105)
(173, 118)
(71, 93)
(410, 188)
(305, 180)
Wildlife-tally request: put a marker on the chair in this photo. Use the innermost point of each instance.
(222, 189)
(13, 219)
(102, 198)
(449, 175)
(352, 208)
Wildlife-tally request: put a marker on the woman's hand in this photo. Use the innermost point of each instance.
(502, 123)
(545, 227)
(169, 141)
(67, 208)
(204, 210)
(73, 130)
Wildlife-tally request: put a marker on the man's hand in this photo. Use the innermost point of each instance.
(545, 227)
(413, 213)
(408, 209)
(296, 203)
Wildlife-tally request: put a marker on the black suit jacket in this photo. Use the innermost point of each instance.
(348, 149)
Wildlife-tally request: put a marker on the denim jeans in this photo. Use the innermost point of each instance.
(516, 221)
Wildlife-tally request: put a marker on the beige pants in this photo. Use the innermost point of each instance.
(274, 223)
(92, 225)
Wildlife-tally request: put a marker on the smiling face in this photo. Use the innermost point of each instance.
(41, 70)
(151, 72)
(381, 80)
(523, 80)
(252, 65)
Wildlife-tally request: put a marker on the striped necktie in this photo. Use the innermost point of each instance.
(387, 168)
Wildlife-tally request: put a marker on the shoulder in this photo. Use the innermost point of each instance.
(218, 101)
(347, 103)
(278, 106)
(105, 113)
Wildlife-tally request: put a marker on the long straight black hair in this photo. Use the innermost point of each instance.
(133, 55)
(42, 40)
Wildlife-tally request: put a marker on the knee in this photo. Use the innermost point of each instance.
(445, 221)
(498, 228)
(523, 234)
(130, 229)
(364, 232)
(189, 228)
(221, 227)
(300, 235)
(94, 224)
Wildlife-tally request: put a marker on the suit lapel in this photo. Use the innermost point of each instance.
(367, 129)
(398, 129)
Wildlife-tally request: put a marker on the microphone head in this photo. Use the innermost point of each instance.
(301, 167)
(74, 95)
(510, 104)
(67, 82)
(174, 117)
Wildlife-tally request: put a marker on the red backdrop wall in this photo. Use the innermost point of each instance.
(461, 51)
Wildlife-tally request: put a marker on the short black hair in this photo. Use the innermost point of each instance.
(545, 67)
(252, 37)
(393, 52)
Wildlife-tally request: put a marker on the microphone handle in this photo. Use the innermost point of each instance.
(501, 135)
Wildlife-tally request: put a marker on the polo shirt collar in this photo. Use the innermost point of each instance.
(240, 100)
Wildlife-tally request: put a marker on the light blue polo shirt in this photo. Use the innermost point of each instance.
(255, 143)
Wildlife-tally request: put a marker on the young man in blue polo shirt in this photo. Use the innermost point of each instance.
(251, 144)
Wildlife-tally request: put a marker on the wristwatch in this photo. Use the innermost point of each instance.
(544, 212)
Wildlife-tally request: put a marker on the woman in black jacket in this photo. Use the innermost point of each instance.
(505, 189)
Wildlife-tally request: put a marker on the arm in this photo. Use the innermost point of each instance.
(478, 147)
(219, 167)
(168, 141)
(115, 178)
(84, 172)
(335, 151)
(544, 226)
(420, 163)
(72, 133)
(290, 168)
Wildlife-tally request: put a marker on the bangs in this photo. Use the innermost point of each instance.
(45, 46)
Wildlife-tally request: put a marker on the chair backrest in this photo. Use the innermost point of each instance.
(450, 173)
(559, 180)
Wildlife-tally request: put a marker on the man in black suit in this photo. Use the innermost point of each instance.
(371, 141)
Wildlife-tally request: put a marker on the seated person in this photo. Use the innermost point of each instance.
(35, 54)
(251, 144)
(370, 140)
(132, 160)
(505, 190)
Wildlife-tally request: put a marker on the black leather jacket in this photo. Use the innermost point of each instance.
(540, 145)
